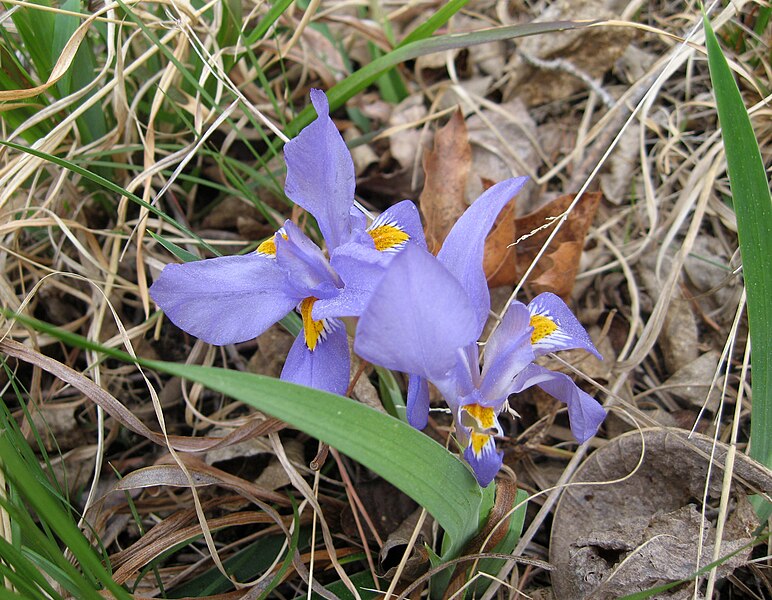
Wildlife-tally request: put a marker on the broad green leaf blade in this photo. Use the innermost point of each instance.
(405, 457)
(753, 207)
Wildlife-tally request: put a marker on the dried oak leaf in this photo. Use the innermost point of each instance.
(556, 270)
(447, 167)
(499, 256)
(641, 527)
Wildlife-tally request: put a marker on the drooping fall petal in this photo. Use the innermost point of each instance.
(326, 367)
(585, 414)
(224, 300)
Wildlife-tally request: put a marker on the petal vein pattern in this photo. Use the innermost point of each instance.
(224, 300)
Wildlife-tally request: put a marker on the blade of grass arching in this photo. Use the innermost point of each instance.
(762, 19)
(391, 86)
(9, 424)
(391, 395)
(109, 185)
(49, 511)
(358, 81)
(753, 208)
(23, 573)
(178, 252)
(267, 21)
(230, 30)
(433, 23)
(408, 459)
(9, 595)
(63, 27)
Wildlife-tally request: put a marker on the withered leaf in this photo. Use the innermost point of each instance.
(447, 168)
(556, 271)
(499, 258)
(641, 527)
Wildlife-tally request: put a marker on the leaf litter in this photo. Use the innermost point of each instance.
(540, 104)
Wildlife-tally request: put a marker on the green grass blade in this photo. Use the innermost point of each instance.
(356, 82)
(109, 185)
(433, 23)
(180, 253)
(408, 459)
(36, 30)
(753, 207)
(50, 510)
(267, 21)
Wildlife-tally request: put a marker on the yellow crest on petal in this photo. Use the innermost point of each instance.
(542, 327)
(312, 330)
(484, 415)
(478, 442)
(268, 247)
(388, 237)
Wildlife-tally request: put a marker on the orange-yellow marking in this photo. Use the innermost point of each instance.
(478, 442)
(482, 414)
(387, 237)
(312, 330)
(269, 246)
(542, 327)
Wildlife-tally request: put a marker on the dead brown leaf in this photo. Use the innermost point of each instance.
(447, 168)
(556, 271)
(641, 527)
(499, 258)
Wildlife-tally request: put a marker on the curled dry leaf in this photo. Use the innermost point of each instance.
(447, 168)
(640, 528)
(396, 545)
(556, 270)
(123, 415)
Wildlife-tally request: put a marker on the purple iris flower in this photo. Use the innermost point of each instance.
(426, 316)
(236, 298)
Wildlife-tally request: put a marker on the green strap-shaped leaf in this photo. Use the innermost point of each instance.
(753, 207)
(408, 459)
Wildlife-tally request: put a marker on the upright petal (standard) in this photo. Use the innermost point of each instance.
(462, 251)
(320, 174)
